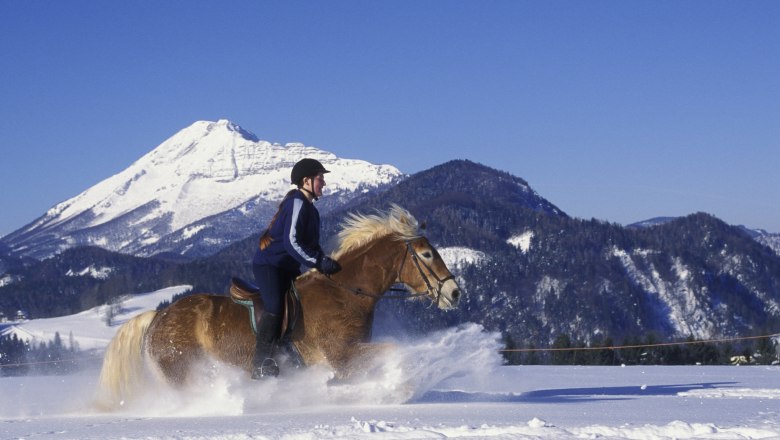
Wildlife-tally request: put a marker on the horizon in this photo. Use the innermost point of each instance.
(613, 111)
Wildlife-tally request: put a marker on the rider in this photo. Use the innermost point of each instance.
(290, 241)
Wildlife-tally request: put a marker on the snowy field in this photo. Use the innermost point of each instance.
(450, 384)
(524, 402)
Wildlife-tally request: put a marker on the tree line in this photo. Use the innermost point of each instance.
(643, 351)
(19, 357)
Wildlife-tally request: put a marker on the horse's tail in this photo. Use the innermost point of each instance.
(123, 367)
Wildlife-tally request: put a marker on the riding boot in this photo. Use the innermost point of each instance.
(263, 363)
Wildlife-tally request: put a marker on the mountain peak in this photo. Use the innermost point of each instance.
(233, 127)
(221, 127)
(468, 177)
(207, 169)
(202, 141)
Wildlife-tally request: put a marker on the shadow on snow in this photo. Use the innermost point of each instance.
(568, 395)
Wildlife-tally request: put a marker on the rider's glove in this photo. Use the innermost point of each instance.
(328, 266)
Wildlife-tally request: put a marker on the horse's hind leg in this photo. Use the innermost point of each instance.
(173, 351)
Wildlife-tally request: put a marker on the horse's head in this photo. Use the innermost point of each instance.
(424, 271)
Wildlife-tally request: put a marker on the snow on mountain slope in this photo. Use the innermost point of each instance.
(522, 241)
(205, 170)
(458, 257)
(688, 312)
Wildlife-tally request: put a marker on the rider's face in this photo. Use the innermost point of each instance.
(315, 184)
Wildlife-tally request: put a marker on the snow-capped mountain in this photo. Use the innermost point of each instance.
(208, 185)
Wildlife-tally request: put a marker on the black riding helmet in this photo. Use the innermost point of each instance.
(306, 168)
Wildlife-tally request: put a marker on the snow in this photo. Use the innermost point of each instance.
(458, 257)
(189, 232)
(91, 271)
(6, 280)
(522, 241)
(447, 384)
(686, 313)
(508, 402)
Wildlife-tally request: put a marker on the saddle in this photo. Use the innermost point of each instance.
(244, 293)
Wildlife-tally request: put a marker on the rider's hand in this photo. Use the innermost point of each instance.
(328, 266)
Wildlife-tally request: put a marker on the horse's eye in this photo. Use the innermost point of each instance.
(427, 254)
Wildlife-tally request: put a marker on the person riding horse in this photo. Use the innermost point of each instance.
(378, 251)
(292, 240)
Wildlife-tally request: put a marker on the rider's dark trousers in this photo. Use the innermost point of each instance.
(273, 283)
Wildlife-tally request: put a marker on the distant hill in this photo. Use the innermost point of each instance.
(546, 274)
(655, 221)
(79, 279)
(772, 240)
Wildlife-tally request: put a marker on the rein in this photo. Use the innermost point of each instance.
(419, 264)
(360, 292)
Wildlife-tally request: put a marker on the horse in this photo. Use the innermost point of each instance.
(376, 251)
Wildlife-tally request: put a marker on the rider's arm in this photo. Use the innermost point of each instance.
(294, 229)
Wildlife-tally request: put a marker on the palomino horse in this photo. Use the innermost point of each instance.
(376, 252)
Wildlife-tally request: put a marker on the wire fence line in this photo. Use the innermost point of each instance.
(660, 344)
(507, 350)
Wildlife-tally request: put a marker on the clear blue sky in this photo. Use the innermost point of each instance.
(615, 110)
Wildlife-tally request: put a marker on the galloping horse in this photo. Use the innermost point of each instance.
(376, 252)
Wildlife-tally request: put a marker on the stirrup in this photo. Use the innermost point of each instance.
(268, 368)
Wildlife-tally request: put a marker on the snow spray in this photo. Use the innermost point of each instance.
(403, 373)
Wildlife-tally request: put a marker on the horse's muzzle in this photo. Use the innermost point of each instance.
(449, 295)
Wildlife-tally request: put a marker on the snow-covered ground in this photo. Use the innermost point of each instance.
(450, 384)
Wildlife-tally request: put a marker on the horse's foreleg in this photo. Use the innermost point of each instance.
(362, 358)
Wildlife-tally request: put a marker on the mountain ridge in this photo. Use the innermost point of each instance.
(769, 239)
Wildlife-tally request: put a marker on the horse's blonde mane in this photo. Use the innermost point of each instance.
(359, 229)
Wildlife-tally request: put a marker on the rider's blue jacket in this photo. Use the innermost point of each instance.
(295, 236)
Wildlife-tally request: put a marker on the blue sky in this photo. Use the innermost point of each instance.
(615, 110)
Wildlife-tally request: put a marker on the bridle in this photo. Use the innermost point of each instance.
(419, 264)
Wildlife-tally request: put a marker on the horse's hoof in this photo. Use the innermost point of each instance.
(267, 369)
